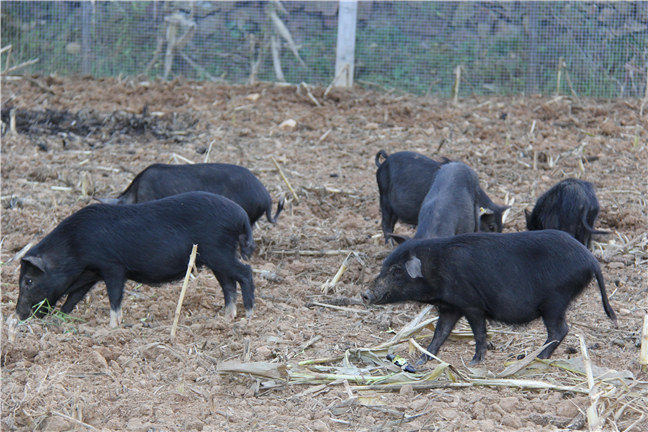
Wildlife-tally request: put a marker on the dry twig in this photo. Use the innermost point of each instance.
(285, 179)
(593, 419)
(19, 66)
(643, 353)
(190, 266)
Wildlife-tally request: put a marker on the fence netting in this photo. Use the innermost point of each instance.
(595, 49)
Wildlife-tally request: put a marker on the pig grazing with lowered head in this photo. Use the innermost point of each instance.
(405, 178)
(231, 181)
(149, 243)
(513, 278)
(569, 206)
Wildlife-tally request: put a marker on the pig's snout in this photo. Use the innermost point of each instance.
(376, 293)
(23, 310)
(367, 296)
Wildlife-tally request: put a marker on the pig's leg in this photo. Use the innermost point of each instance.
(448, 318)
(388, 220)
(115, 279)
(229, 293)
(477, 323)
(557, 329)
(243, 275)
(78, 289)
(75, 297)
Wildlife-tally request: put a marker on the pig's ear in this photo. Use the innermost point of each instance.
(413, 267)
(398, 238)
(527, 215)
(35, 261)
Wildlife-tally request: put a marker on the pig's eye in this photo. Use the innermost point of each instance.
(397, 271)
(28, 281)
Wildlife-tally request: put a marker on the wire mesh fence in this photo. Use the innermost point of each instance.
(585, 48)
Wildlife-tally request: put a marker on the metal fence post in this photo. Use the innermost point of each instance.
(344, 59)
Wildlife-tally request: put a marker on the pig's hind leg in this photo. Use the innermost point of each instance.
(557, 329)
(448, 318)
(231, 269)
(477, 322)
(244, 278)
(388, 220)
(229, 293)
(115, 280)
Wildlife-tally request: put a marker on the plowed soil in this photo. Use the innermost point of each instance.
(61, 374)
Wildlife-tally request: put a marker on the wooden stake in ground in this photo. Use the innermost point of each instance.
(192, 260)
(455, 86)
(645, 99)
(561, 66)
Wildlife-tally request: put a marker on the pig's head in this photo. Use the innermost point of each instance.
(37, 283)
(400, 279)
(490, 219)
(532, 222)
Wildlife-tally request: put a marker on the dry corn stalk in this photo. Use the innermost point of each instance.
(455, 86)
(331, 283)
(643, 353)
(12, 322)
(281, 29)
(508, 201)
(593, 419)
(561, 66)
(285, 179)
(190, 266)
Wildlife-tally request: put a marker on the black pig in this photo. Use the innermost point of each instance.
(148, 243)
(569, 206)
(513, 278)
(232, 181)
(450, 206)
(404, 178)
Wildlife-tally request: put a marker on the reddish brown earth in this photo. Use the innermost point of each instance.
(137, 378)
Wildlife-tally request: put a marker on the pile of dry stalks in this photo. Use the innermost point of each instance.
(363, 371)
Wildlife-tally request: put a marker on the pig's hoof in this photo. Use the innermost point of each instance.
(230, 311)
(115, 317)
(422, 360)
(475, 361)
(249, 313)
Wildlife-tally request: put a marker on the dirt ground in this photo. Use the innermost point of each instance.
(64, 374)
